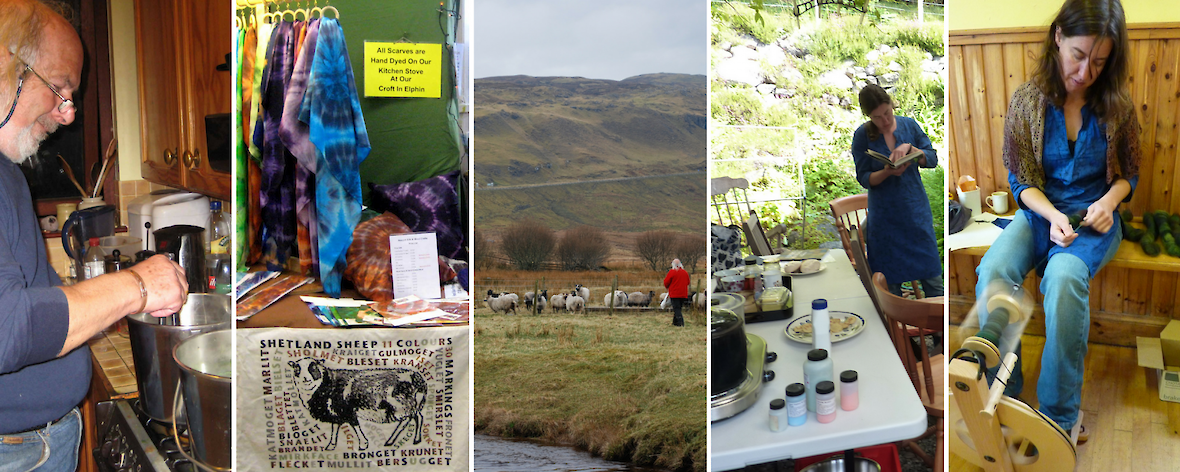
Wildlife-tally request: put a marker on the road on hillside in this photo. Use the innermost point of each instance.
(618, 179)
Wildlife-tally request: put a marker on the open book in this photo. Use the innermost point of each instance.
(900, 162)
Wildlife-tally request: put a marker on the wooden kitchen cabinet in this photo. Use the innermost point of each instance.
(180, 43)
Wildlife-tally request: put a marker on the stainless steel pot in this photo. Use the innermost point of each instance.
(152, 344)
(836, 464)
(206, 378)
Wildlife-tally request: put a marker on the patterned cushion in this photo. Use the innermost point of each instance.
(427, 205)
(369, 267)
(727, 247)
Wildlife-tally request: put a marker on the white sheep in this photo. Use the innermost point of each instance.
(500, 303)
(557, 302)
(700, 300)
(620, 299)
(541, 301)
(639, 298)
(528, 300)
(574, 303)
(582, 291)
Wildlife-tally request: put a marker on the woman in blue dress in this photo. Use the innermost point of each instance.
(1071, 146)
(899, 231)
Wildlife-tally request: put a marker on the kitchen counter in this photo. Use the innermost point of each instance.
(110, 353)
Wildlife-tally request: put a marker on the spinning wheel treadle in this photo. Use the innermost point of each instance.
(1034, 442)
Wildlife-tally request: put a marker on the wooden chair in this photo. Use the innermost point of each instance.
(925, 371)
(866, 276)
(850, 212)
(756, 237)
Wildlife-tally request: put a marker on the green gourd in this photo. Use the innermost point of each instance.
(1151, 248)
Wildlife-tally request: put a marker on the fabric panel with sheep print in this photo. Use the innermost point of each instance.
(333, 400)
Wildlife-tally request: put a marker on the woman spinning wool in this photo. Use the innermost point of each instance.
(1071, 145)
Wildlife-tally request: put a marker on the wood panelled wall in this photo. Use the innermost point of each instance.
(986, 67)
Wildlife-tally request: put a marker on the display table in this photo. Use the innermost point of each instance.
(889, 411)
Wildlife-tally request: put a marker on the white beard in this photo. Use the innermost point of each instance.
(27, 142)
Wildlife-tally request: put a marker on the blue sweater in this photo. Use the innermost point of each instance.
(36, 386)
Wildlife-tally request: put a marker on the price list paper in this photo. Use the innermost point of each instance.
(415, 265)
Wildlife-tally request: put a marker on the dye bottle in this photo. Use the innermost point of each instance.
(825, 401)
(796, 404)
(849, 394)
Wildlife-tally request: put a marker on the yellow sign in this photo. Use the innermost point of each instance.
(403, 70)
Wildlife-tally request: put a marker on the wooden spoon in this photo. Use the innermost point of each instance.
(70, 173)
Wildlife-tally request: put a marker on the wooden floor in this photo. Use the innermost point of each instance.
(1128, 424)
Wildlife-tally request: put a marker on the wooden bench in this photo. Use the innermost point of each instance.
(1127, 281)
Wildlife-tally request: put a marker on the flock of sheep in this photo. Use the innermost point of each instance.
(576, 300)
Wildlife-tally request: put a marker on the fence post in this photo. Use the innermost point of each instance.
(536, 294)
(614, 287)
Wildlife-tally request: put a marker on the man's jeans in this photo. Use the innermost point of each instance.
(52, 449)
(1066, 290)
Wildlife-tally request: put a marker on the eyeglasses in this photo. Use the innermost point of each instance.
(66, 104)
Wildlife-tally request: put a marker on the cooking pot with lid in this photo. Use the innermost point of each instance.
(727, 362)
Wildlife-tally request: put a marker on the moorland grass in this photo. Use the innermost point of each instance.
(626, 387)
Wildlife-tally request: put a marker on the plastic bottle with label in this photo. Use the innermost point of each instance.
(818, 368)
(94, 262)
(218, 266)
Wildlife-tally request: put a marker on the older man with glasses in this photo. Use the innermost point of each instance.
(44, 362)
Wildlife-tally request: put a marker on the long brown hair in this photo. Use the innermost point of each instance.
(871, 97)
(1103, 19)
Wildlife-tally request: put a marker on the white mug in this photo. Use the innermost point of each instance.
(998, 201)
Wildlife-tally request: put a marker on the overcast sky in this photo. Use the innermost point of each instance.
(600, 39)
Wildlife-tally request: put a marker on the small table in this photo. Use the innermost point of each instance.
(889, 410)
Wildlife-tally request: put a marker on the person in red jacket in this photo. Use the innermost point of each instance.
(677, 284)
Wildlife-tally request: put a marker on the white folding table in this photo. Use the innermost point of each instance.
(889, 410)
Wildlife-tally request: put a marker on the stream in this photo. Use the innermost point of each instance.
(495, 454)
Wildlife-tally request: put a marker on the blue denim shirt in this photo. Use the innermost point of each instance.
(1073, 181)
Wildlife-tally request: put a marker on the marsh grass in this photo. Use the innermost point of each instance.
(625, 387)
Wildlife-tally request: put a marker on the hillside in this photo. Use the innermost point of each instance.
(674, 202)
(531, 130)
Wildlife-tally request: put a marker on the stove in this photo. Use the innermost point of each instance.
(130, 441)
(735, 400)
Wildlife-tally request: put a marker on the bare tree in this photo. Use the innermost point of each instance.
(483, 252)
(583, 248)
(528, 244)
(655, 248)
(690, 249)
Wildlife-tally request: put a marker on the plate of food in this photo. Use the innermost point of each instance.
(844, 325)
(808, 267)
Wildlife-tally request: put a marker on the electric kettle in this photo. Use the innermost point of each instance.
(186, 246)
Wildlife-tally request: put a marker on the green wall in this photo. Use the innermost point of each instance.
(412, 138)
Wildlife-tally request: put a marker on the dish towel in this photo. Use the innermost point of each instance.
(295, 135)
(332, 110)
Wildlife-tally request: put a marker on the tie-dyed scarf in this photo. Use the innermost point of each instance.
(294, 134)
(278, 165)
(337, 128)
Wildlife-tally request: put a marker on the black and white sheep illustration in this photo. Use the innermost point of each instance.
(346, 396)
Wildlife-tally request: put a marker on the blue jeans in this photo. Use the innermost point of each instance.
(52, 449)
(1066, 290)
